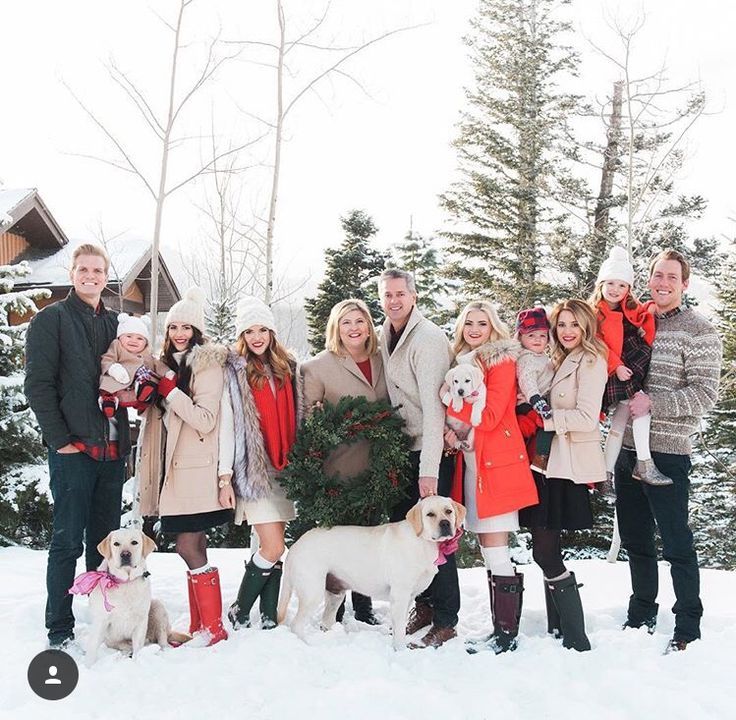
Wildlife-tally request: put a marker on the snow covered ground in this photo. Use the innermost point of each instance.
(352, 672)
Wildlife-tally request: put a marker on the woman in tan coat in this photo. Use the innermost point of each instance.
(179, 461)
(575, 460)
(351, 365)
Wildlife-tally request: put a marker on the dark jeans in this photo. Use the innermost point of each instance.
(639, 506)
(443, 594)
(87, 501)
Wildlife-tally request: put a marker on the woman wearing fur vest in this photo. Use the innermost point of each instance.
(265, 391)
(497, 480)
(181, 448)
(351, 365)
(575, 460)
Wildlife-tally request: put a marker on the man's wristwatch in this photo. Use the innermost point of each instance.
(223, 482)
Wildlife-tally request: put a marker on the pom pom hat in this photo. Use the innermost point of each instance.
(617, 267)
(253, 311)
(132, 325)
(189, 310)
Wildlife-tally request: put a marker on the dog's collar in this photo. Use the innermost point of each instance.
(448, 547)
(85, 583)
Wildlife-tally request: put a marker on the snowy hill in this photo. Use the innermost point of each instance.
(352, 672)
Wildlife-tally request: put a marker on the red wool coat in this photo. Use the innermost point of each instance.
(611, 328)
(504, 482)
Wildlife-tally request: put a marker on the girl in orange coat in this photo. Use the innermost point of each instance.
(497, 479)
(627, 328)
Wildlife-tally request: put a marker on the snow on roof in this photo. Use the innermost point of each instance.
(10, 199)
(54, 269)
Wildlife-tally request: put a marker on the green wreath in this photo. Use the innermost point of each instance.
(361, 500)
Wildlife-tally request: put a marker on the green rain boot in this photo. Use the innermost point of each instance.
(270, 598)
(251, 585)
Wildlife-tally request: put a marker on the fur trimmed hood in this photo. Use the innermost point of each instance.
(207, 355)
(493, 353)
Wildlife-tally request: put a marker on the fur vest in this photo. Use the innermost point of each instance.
(252, 471)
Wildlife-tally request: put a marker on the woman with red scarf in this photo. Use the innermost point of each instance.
(264, 386)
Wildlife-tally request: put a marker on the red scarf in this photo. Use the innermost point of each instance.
(278, 421)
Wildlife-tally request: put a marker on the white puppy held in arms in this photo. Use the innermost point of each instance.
(462, 382)
(395, 561)
(124, 616)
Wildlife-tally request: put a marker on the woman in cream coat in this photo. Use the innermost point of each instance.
(179, 459)
(351, 366)
(575, 459)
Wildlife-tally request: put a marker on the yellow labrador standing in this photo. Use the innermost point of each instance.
(394, 561)
(123, 614)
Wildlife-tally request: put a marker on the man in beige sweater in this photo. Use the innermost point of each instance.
(416, 356)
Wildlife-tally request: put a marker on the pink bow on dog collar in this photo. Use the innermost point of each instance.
(447, 547)
(85, 583)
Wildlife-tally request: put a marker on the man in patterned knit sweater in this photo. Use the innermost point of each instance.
(681, 387)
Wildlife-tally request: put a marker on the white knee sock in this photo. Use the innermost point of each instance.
(261, 562)
(615, 438)
(200, 570)
(498, 560)
(640, 427)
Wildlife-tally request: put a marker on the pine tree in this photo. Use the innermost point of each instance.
(352, 269)
(512, 148)
(24, 513)
(220, 319)
(420, 257)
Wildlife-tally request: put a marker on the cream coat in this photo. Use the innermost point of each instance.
(186, 453)
(575, 398)
(329, 377)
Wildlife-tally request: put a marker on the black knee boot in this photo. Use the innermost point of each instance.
(566, 598)
(553, 617)
(269, 601)
(363, 609)
(253, 582)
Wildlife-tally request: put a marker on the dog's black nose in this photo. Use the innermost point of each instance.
(125, 557)
(445, 528)
(460, 392)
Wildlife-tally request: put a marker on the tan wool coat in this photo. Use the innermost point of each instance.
(329, 377)
(575, 399)
(178, 472)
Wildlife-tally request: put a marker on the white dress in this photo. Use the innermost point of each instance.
(508, 522)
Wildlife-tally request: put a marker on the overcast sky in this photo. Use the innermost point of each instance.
(385, 147)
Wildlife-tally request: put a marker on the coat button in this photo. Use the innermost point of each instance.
(562, 394)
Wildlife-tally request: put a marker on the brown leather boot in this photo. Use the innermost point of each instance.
(420, 616)
(435, 637)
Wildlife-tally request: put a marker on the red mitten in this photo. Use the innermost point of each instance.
(166, 384)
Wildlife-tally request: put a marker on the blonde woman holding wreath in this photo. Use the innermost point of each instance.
(350, 365)
(265, 388)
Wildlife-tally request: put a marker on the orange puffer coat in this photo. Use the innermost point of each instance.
(505, 482)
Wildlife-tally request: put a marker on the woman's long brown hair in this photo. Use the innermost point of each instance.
(276, 357)
(587, 320)
(182, 369)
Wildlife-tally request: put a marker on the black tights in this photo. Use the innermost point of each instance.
(547, 552)
(192, 547)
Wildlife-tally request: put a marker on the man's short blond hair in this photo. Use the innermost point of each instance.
(90, 249)
(671, 254)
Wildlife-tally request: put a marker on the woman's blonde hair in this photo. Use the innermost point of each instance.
(631, 301)
(332, 333)
(499, 329)
(276, 357)
(586, 318)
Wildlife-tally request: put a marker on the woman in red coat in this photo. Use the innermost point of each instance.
(497, 480)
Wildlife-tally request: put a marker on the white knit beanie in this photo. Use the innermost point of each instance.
(189, 310)
(128, 324)
(617, 267)
(253, 311)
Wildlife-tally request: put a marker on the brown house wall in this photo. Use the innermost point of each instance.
(11, 245)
